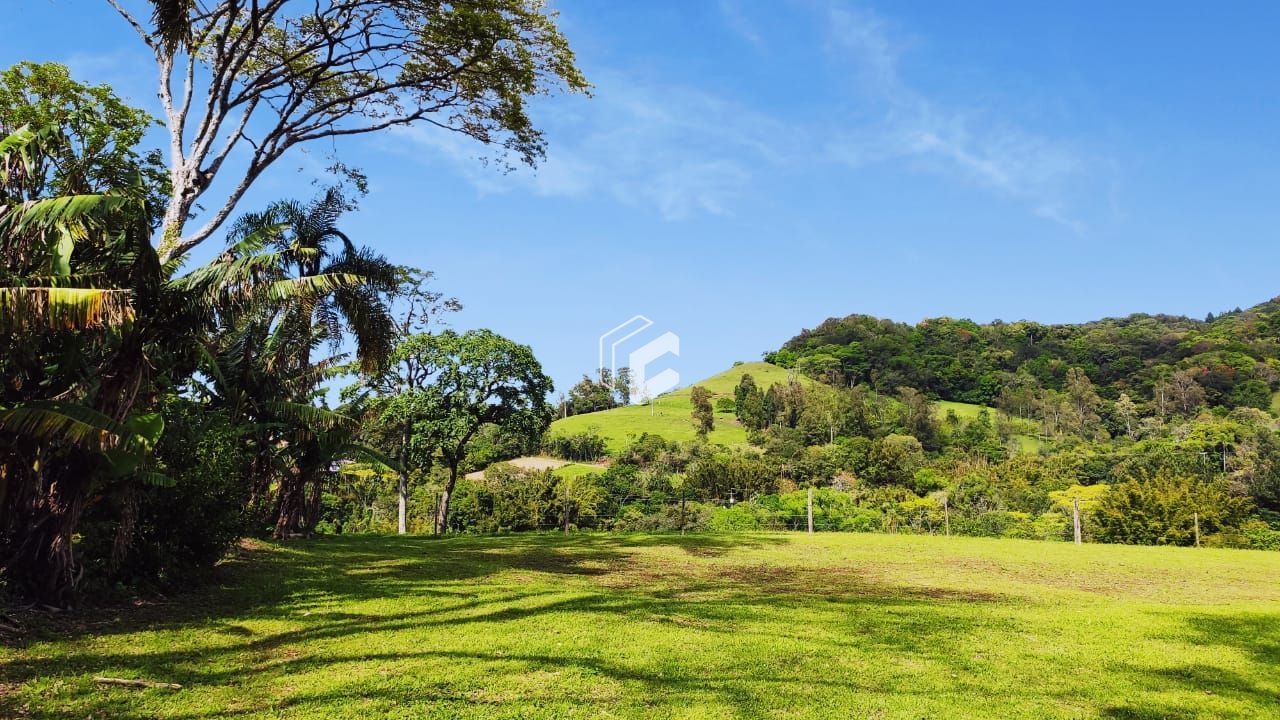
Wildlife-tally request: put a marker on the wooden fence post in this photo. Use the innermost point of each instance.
(1196, 517)
(1075, 519)
(946, 514)
(811, 510)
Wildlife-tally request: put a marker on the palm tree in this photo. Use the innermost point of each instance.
(306, 243)
(94, 330)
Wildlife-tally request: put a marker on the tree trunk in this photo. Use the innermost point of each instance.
(292, 500)
(442, 512)
(39, 562)
(403, 491)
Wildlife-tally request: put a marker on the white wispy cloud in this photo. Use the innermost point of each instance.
(684, 151)
(1037, 170)
(678, 150)
(738, 23)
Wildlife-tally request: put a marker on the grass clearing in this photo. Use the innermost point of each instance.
(671, 414)
(1029, 444)
(701, 626)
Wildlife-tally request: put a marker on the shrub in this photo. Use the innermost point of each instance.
(726, 405)
(1161, 509)
(577, 446)
(178, 531)
(997, 523)
(1261, 536)
(737, 518)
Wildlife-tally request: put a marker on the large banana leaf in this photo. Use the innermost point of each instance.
(63, 211)
(60, 308)
(51, 420)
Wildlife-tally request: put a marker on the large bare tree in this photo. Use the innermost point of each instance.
(247, 80)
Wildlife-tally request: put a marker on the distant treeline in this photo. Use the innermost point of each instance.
(1232, 357)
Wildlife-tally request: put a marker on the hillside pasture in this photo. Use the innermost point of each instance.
(671, 414)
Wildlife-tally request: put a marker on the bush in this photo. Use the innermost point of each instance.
(726, 405)
(1261, 536)
(581, 446)
(1161, 509)
(178, 531)
(737, 518)
(1052, 525)
(863, 520)
(997, 523)
(668, 519)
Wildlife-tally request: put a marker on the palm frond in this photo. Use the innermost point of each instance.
(61, 308)
(59, 421)
(311, 286)
(157, 479)
(302, 413)
(358, 450)
(172, 21)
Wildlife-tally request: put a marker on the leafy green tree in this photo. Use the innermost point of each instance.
(749, 404)
(1252, 393)
(704, 419)
(894, 459)
(251, 81)
(622, 385)
(1127, 412)
(1084, 403)
(593, 394)
(918, 418)
(464, 382)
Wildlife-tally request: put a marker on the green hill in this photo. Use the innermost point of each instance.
(670, 414)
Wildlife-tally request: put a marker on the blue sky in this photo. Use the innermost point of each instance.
(747, 169)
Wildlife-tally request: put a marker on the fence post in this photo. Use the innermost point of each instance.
(946, 514)
(810, 509)
(1196, 517)
(1075, 519)
(564, 483)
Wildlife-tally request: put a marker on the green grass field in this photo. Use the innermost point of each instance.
(671, 415)
(636, 626)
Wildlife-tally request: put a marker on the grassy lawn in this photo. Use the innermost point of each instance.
(611, 626)
(671, 415)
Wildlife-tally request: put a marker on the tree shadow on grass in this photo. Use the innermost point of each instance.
(1254, 635)
(499, 582)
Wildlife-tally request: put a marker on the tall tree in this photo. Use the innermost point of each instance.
(1186, 392)
(704, 419)
(468, 381)
(1084, 402)
(393, 400)
(1127, 411)
(244, 81)
(351, 299)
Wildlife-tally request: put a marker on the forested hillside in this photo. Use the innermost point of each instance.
(1232, 358)
(1158, 427)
